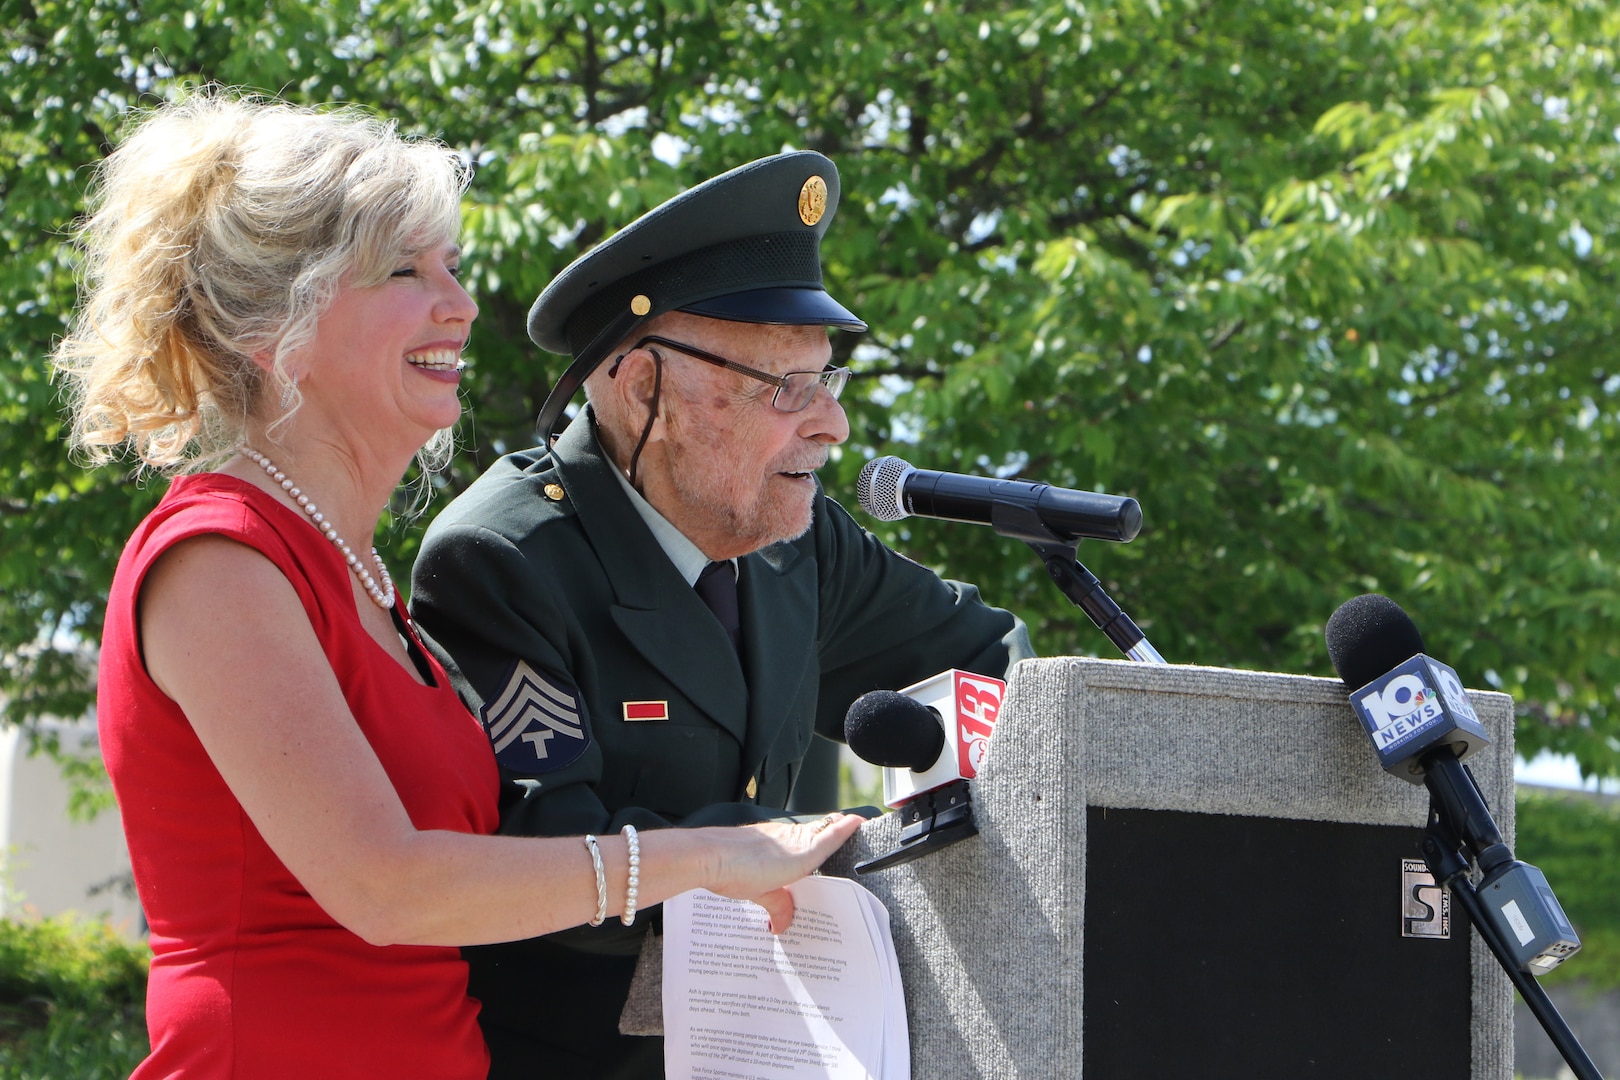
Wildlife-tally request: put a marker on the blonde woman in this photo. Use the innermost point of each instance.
(272, 312)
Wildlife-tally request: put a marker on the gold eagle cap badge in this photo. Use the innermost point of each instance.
(812, 200)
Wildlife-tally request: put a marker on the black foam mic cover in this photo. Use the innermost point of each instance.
(1368, 636)
(888, 728)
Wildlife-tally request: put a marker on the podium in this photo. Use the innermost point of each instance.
(1196, 873)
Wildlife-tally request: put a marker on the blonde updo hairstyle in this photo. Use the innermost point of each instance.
(220, 230)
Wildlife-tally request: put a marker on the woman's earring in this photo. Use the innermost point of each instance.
(289, 393)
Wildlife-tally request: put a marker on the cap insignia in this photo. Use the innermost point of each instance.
(812, 200)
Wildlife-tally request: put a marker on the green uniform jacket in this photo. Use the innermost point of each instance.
(558, 615)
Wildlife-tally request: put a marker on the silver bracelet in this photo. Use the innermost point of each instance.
(634, 842)
(601, 880)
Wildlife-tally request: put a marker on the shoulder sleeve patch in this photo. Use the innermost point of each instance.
(535, 723)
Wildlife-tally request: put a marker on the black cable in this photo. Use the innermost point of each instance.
(652, 412)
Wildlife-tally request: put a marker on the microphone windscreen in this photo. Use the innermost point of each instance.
(878, 488)
(1368, 636)
(890, 729)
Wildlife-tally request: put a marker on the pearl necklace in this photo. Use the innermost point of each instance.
(382, 596)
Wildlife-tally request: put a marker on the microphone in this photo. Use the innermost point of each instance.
(887, 728)
(890, 489)
(930, 739)
(1409, 703)
(1422, 725)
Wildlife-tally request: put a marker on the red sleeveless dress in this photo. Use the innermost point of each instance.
(250, 977)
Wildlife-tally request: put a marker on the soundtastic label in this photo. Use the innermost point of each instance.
(1425, 903)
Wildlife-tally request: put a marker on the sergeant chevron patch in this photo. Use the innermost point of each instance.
(536, 724)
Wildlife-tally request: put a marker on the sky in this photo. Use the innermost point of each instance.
(1555, 770)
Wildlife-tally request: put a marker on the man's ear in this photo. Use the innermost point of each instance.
(634, 380)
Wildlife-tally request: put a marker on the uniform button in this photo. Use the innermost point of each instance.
(753, 786)
(554, 492)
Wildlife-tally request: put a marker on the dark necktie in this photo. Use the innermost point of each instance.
(717, 586)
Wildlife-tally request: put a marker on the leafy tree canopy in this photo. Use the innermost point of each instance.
(1329, 288)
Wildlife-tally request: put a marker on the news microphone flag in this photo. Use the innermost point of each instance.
(1416, 706)
(967, 705)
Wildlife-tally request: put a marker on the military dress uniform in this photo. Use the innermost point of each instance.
(611, 693)
(561, 619)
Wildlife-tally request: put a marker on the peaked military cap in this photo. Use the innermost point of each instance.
(744, 246)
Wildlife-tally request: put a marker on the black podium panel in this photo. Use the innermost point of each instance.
(1257, 948)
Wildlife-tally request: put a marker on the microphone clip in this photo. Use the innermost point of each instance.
(928, 822)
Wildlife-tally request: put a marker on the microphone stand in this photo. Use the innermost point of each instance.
(1443, 852)
(1074, 580)
(941, 817)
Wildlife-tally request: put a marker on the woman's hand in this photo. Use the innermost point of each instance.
(757, 862)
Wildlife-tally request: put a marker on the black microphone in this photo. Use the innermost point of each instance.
(1422, 725)
(1418, 704)
(887, 728)
(930, 739)
(890, 489)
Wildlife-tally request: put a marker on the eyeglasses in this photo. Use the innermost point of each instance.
(794, 391)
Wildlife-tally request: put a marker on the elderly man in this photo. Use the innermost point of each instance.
(655, 612)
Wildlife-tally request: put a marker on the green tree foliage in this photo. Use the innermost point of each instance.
(72, 1001)
(1575, 841)
(1329, 289)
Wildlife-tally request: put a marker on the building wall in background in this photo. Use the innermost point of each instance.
(49, 863)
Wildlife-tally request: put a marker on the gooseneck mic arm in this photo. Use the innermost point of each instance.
(1082, 587)
(1074, 580)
